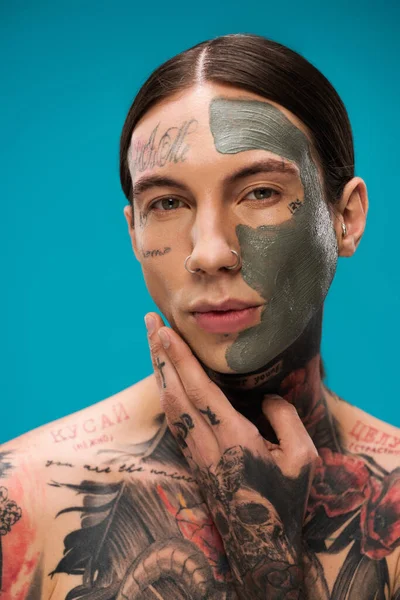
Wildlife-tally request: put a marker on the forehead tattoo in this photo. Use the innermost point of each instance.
(291, 265)
(162, 147)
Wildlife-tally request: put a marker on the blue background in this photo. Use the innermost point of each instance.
(72, 296)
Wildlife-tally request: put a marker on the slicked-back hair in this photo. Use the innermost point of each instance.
(270, 70)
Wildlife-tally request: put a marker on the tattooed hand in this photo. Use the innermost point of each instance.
(256, 491)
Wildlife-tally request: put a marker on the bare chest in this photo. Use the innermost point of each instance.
(143, 530)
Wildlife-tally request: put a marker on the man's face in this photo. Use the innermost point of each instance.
(216, 169)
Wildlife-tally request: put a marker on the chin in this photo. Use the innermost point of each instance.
(213, 356)
(216, 366)
(210, 349)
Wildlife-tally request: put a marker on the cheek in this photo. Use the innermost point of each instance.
(291, 267)
(162, 247)
(164, 279)
(159, 272)
(297, 258)
(306, 265)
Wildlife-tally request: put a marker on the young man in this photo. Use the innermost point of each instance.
(232, 472)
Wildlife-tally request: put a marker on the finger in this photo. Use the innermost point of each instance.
(172, 393)
(188, 428)
(153, 322)
(203, 393)
(296, 447)
(206, 396)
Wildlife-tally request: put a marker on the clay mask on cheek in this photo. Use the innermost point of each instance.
(291, 265)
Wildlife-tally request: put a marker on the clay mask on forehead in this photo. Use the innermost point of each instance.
(291, 265)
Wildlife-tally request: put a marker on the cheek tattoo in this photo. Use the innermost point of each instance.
(294, 206)
(157, 252)
(142, 219)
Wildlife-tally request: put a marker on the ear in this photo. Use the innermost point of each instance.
(352, 211)
(128, 214)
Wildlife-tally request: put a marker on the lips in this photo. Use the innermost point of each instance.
(229, 316)
(225, 305)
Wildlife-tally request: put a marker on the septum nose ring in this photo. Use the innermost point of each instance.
(231, 268)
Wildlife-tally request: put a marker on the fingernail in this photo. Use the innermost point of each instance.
(150, 324)
(164, 337)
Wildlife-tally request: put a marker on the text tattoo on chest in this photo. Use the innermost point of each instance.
(91, 431)
(372, 439)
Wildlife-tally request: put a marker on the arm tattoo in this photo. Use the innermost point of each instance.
(10, 512)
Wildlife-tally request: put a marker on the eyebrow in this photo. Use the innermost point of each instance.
(149, 181)
(269, 165)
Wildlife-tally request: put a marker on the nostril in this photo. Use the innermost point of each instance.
(212, 261)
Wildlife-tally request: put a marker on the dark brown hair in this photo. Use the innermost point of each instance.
(266, 68)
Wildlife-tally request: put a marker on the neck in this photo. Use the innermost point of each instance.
(295, 375)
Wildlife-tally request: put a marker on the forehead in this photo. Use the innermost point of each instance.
(192, 112)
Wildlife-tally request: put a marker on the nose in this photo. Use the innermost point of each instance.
(215, 244)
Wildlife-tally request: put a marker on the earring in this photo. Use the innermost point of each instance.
(344, 229)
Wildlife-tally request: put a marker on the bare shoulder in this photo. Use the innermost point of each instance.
(115, 419)
(367, 435)
(358, 482)
(29, 463)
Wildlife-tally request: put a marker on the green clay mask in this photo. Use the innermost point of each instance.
(291, 265)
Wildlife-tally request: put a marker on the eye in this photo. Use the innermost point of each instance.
(167, 204)
(262, 193)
